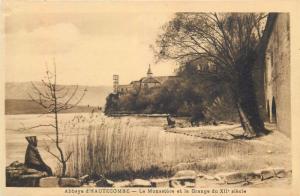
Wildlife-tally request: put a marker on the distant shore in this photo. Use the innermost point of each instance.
(17, 106)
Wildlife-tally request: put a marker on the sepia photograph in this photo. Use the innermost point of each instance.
(161, 100)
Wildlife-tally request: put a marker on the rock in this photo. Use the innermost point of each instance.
(15, 169)
(189, 184)
(49, 182)
(84, 179)
(104, 183)
(185, 175)
(69, 182)
(280, 172)
(247, 183)
(36, 175)
(175, 184)
(250, 176)
(13, 172)
(160, 183)
(16, 164)
(18, 175)
(208, 177)
(232, 177)
(266, 173)
(31, 171)
(140, 183)
(122, 184)
(182, 177)
(30, 180)
(90, 184)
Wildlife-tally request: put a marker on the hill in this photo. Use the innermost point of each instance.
(17, 100)
(19, 106)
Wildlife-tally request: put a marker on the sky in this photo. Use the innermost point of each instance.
(88, 45)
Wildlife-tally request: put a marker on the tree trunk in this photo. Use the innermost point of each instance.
(64, 168)
(246, 124)
(246, 101)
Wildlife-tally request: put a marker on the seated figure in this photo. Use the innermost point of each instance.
(33, 158)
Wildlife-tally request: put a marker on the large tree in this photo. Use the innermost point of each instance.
(228, 41)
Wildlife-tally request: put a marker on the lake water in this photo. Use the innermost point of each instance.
(146, 140)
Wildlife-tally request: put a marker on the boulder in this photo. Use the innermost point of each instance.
(104, 183)
(125, 183)
(189, 184)
(16, 164)
(232, 177)
(160, 183)
(30, 180)
(84, 179)
(14, 172)
(250, 176)
(49, 182)
(31, 171)
(208, 177)
(18, 175)
(280, 172)
(183, 178)
(69, 182)
(265, 173)
(140, 183)
(176, 184)
(185, 175)
(89, 184)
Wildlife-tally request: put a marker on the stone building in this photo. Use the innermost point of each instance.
(277, 73)
(150, 81)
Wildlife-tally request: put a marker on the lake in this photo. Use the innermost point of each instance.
(138, 147)
(116, 144)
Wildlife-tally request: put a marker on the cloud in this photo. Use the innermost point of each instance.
(54, 39)
(86, 53)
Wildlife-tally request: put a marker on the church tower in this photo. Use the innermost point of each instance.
(149, 72)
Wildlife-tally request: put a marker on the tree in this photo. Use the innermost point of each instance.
(228, 41)
(202, 90)
(55, 99)
(111, 104)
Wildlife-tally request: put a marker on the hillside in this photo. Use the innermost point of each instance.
(95, 95)
(18, 106)
(17, 100)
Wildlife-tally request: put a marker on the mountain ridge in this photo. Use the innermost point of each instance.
(95, 95)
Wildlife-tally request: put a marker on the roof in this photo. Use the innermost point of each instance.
(149, 80)
(157, 79)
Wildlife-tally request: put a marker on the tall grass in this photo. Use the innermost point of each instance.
(127, 147)
(117, 147)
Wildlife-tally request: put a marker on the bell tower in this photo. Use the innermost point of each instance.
(115, 83)
(149, 72)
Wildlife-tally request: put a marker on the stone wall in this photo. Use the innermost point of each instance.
(277, 75)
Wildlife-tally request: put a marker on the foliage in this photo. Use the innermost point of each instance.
(187, 95)
(228, 42)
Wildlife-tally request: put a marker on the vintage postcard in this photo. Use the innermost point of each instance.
(141, 98)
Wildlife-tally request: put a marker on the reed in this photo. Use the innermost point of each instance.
(124, 148)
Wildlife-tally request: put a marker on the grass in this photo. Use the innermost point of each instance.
(127, 148)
